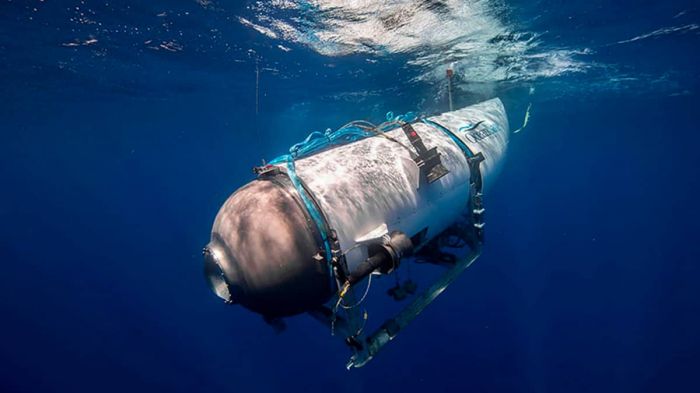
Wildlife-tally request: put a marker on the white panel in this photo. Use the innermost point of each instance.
(365, 184)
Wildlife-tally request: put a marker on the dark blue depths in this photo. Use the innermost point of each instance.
(112, 174)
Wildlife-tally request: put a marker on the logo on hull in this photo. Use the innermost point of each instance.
(478, 131)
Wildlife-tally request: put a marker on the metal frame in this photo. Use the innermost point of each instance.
(373, 343)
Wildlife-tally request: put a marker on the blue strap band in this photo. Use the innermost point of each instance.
(314, 211)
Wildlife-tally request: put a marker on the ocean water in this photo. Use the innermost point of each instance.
(125, 125)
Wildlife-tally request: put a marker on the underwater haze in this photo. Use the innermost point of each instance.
(124, 125)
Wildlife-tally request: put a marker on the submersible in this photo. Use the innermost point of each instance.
(347, 204)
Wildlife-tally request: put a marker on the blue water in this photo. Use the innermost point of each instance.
(125, 125)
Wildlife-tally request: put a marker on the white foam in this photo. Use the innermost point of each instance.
(662, 31)
(260, 29)
(468, 34)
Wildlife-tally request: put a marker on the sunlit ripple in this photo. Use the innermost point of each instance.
(468, 36)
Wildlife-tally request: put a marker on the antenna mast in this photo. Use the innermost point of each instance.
(450, 73)
(257, 88)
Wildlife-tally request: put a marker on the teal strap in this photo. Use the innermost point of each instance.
(317, 142)
(313, 209)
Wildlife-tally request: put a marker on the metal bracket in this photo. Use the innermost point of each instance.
(266, 170)
(427, 160)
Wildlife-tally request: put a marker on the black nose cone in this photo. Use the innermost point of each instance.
(262, 252)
